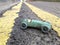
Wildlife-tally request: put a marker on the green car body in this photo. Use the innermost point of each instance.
(44, 26)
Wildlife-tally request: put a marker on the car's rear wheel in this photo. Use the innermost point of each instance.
(45, 29)
(23, 26)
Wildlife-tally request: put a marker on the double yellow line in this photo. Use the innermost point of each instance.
(7, 22)
(54, 20)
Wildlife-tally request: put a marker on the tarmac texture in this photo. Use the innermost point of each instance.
(31, 36)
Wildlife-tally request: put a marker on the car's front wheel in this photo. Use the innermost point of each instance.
(23, 26)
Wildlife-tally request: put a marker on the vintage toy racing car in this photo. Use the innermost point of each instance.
(44, 26)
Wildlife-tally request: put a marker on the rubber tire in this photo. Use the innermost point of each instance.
(44, 29)
(23, 26)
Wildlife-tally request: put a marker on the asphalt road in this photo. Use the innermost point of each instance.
(31, 36)
(6, 6)
(51, 7)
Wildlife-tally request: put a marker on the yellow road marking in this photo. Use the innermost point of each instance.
(54, 20)
(7, 22)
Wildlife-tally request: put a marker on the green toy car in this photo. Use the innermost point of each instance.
(44, 26)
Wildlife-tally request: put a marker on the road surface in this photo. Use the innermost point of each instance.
(4, 6)
(51, 7)
(11, 34)
(31, 36)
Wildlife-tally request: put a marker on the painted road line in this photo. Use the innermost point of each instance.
(7, 22)
(54, 20)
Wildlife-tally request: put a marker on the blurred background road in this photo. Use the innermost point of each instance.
(6, 4)
(51, 7)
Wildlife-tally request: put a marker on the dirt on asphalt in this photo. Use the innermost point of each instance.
(30, 36)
